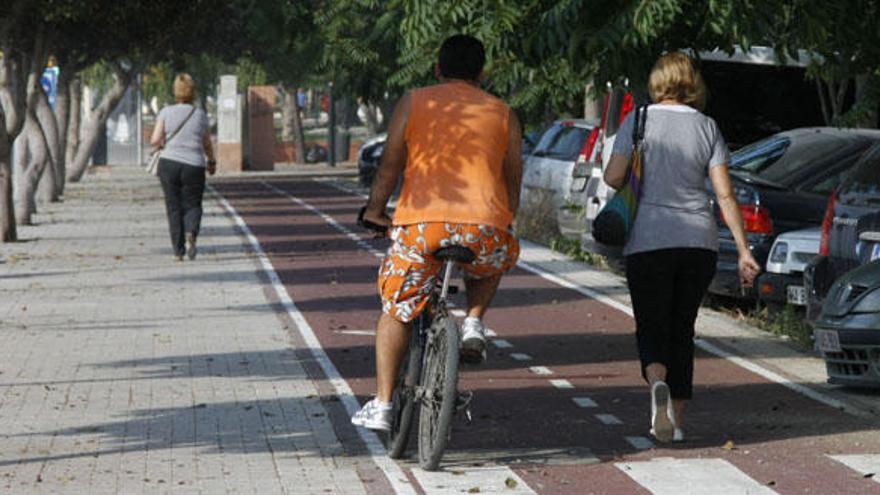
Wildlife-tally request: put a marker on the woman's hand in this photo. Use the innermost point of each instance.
(212, 167)
(748, 270)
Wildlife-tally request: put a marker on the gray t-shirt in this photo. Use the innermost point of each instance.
(186, 147)
(681, 145)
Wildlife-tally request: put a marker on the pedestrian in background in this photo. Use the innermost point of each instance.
(673, 245)
(183, 134)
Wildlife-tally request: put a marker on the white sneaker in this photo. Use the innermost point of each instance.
(375, 415)
(473, 341)
(661, 404)
(678, 433)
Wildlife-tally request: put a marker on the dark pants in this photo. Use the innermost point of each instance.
(666, 287)
(183, 186)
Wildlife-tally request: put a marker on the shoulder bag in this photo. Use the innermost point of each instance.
(614, 222)
(153, 161)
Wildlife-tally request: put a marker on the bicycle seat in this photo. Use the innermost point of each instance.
(458, 254)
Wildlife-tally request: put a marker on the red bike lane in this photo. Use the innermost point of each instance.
(560, 400)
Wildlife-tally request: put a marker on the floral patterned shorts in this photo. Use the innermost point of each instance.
(408, 272)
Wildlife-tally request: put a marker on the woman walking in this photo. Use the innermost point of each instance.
(182, 133)
(672, 249)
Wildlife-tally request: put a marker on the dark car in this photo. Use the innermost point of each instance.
(368, 158)
(847, 331)
(782, 183)
(850, 230)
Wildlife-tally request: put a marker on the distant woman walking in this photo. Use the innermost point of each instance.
(673, 246)
(182, 133)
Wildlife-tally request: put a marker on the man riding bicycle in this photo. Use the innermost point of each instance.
(459, 149)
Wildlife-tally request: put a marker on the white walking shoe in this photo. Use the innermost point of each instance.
(661, 413)
(375, 415)
(473, 341)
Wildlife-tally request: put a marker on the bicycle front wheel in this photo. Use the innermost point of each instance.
(404, 399)
(440, 391)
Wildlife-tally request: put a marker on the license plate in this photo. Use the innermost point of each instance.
(875, 253)
(827, 340)
(797, 295)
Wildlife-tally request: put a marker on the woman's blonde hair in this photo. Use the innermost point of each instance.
(184, 88)
(675, 77)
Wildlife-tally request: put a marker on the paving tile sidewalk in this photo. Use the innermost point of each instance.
(123, 371)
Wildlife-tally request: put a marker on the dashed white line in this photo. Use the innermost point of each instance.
(491, 333)
(458, 313)
(585, 402)
(520, 356)
(502, 344)
(609, 419)
(640, 443)
(561, 383)
(540, 370)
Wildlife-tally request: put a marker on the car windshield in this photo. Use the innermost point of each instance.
(863, 184)
(782, 160)
(561, 142)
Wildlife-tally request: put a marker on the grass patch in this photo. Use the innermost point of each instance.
(786, 321)
(573, 249)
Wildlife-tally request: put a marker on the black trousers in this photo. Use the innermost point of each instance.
(183, 186)
(666, 287)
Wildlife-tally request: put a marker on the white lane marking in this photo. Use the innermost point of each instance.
(495, 479)
(459, 313)
(520, 356)
(640, 443)
(491, 333)
(864, 464)
(609, 419)
(327, 218)
(502, 344)
(356, 332)
(561, 384)
(540, 370)
(392, 471)
(692, 476)
(585, 402)
(701, 343)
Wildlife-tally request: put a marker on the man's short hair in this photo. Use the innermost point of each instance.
(462, 57)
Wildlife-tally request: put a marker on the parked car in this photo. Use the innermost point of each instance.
(847, 332)
(782, 183)
(547, 171)
(783, 280)
(368, 158)
(588, 193)
(850, 230)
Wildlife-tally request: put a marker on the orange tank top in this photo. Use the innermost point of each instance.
(456, 139)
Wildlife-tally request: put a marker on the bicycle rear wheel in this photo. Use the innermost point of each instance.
(440, 386)
(404, 399)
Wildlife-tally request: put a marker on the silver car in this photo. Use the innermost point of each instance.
(547, 172)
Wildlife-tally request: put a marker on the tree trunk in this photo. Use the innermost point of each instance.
(62, 118)
(48, 188)
(8, 232)
(293, 125)
(95, 122)
(31, 170)
(288, 107)
(73, 119)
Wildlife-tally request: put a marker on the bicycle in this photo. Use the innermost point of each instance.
(428, 375)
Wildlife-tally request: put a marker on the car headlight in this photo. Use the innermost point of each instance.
(780, 252)
(870, 303)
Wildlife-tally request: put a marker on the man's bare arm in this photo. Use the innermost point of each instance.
(392, 164)
(513, 161)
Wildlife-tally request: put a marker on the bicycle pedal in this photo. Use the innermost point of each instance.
(463, 401)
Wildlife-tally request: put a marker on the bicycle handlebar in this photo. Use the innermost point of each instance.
(375, 227)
